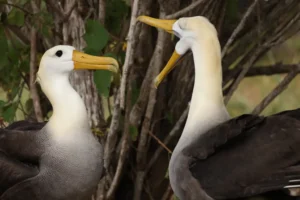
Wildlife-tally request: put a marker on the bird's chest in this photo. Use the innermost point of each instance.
(75, 162)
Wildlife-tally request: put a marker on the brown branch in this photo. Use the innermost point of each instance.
(184, 10)
(112, 133)
(277, 90)
(269, 70)
(67, 13)
(159, 142)
(101, 14)
(125, 143)
(33, 90)
(16, 6)
(241, 76)
(63, 15)
(175, 130)
(238, 28)
(55, 8)
(18, 33)
(129, 53)
(156, 64)
(168, 193)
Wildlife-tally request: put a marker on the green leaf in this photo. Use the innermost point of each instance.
(102, 80)
(2, 103)
(16, 17)
(116, 11)
(9, 112)
(96, 37)
(3, 49)
(133, 132)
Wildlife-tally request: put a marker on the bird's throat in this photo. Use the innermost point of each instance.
(69, 111)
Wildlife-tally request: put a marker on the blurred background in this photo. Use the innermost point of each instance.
(138, 124)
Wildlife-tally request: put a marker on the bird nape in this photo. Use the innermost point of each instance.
(60, 159)
(218, 157)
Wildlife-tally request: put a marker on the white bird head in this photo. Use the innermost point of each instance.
(191, 31)
(62, 59)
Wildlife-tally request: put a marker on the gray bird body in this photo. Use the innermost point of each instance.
(61, 160)
(64, 170)
(218, 157)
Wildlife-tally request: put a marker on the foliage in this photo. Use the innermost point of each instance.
(14, 64)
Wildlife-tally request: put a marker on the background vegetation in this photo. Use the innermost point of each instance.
(138, 124)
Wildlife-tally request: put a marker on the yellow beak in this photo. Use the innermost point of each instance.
(166, 25)
(85, 61)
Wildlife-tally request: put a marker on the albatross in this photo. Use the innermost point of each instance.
(61, 160)
(219, 157)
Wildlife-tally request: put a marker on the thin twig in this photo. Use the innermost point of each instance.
(16, 6)
(277, 90)
(238, 28)
(129, 53)
(175, 130)
(184, 10)
(159, 142)
(241, 76)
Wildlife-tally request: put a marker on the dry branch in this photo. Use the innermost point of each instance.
(129, 53)
(159, 142)
(33, 90)
(101, 14)
(277, 90)
(155, 64)
(184, 10)
(175, 131)
(125, 143)
(269, 70)
(241, 75)
(239, 27)
(112, 133)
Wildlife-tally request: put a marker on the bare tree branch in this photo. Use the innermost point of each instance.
(277, 90)
(58, 10)
(101, 14)
(125, 143)
(168, 193)
(63, 15)
(175, 130)
(16, 6)
(129, 53)
(156, 64)
(239, 27)
(185, 10)
(159, 142)
(33, 90)
(242, 74)
(112, 133)
(269, 70)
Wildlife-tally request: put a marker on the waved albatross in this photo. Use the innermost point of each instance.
(218, 157)
(63, 160)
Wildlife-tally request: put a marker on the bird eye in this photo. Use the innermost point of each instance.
(59, 53)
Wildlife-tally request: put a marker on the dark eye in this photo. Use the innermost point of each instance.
(59, 53)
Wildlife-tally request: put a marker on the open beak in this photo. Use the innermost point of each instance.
(85, 61)
(166, 25)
